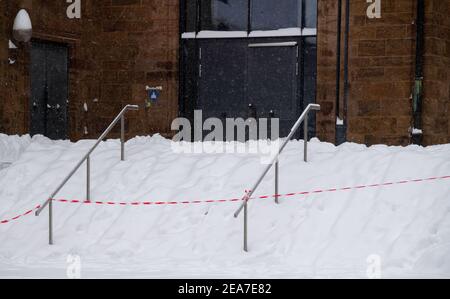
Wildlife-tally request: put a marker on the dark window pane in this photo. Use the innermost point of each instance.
(309, 76)
(310, 13)
(189, 67)
(190, 15)
(270, 14)
(224, 15)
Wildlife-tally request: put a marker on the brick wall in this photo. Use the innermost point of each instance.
(3, 59)
(120, 46)
(140, 41)
(381, 70)
(49, 23)
(117, 48)
(382, 64)
(437, 73)
(382, 55)
(12, 110)
(326, 69)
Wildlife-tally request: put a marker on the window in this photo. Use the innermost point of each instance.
(271, 15)
(190, 15)
(224, 15)
(242, 16)
(310, 13)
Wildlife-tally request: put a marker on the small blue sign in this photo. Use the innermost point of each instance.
(153, 95)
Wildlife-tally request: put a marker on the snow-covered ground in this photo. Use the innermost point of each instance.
(318, 235)
(11, 147)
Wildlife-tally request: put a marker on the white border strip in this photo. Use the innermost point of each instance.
(243, 34)
(222, 34)
(309, 32)
(285, 44)
(275, 33)
(188, 35)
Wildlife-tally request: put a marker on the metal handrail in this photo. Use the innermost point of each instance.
(249, 194)
(86, 158)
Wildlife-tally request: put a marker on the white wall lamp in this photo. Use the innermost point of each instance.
(22, 29)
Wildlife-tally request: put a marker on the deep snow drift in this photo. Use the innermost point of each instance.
(319, 235)
(11, 147)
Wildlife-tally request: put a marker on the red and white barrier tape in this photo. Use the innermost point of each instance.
(21, 215)
(159, 203)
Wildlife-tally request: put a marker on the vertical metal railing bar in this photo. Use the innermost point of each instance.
(86, 158)
(277, 165)
(305, 138)
(88, 178)
(275, 160)
(245, 226)
(50, 223)
(122, 138)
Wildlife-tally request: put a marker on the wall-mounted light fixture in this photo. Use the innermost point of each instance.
(22, 29)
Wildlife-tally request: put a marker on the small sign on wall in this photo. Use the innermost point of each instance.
(153, 94)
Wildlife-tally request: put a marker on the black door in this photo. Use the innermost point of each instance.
(49, 89)
(272, 82)
(255, 78)
(223, 76)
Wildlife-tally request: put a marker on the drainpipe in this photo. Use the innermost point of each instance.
(416, 132)
(340, 129)
(346, 61)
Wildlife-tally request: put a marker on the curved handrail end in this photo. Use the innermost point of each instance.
(315, 107)
(133, 107)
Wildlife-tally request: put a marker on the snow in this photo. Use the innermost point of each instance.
(22, 21)
(416, 131)
(188, 35)
(221, 34)
(322, 235)
(279, 32)
(11, 147)
(309, 32)
(11, 45)
(257, 33)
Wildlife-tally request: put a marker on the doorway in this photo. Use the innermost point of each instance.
(272, 82)
(49, 89)
(251, 78)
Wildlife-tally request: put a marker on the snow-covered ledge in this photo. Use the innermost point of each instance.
(222, 34)
(257, 33)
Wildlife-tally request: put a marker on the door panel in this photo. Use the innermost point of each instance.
(258, 77)
(309, 75)
(49, 89)
(222, 84)
(38, 104)
(57, 92)
(272, 82)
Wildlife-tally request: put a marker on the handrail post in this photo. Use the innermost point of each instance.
(275, 161)
(276, 182)
(50, 222)
(88, 178)
(246, 226)
(305, 136)
(86, 158)
(122, 138)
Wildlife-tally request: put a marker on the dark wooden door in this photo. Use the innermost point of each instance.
(49, 89)
(272, 82)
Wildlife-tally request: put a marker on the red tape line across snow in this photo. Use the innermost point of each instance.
(20, 216)
(159, 203)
